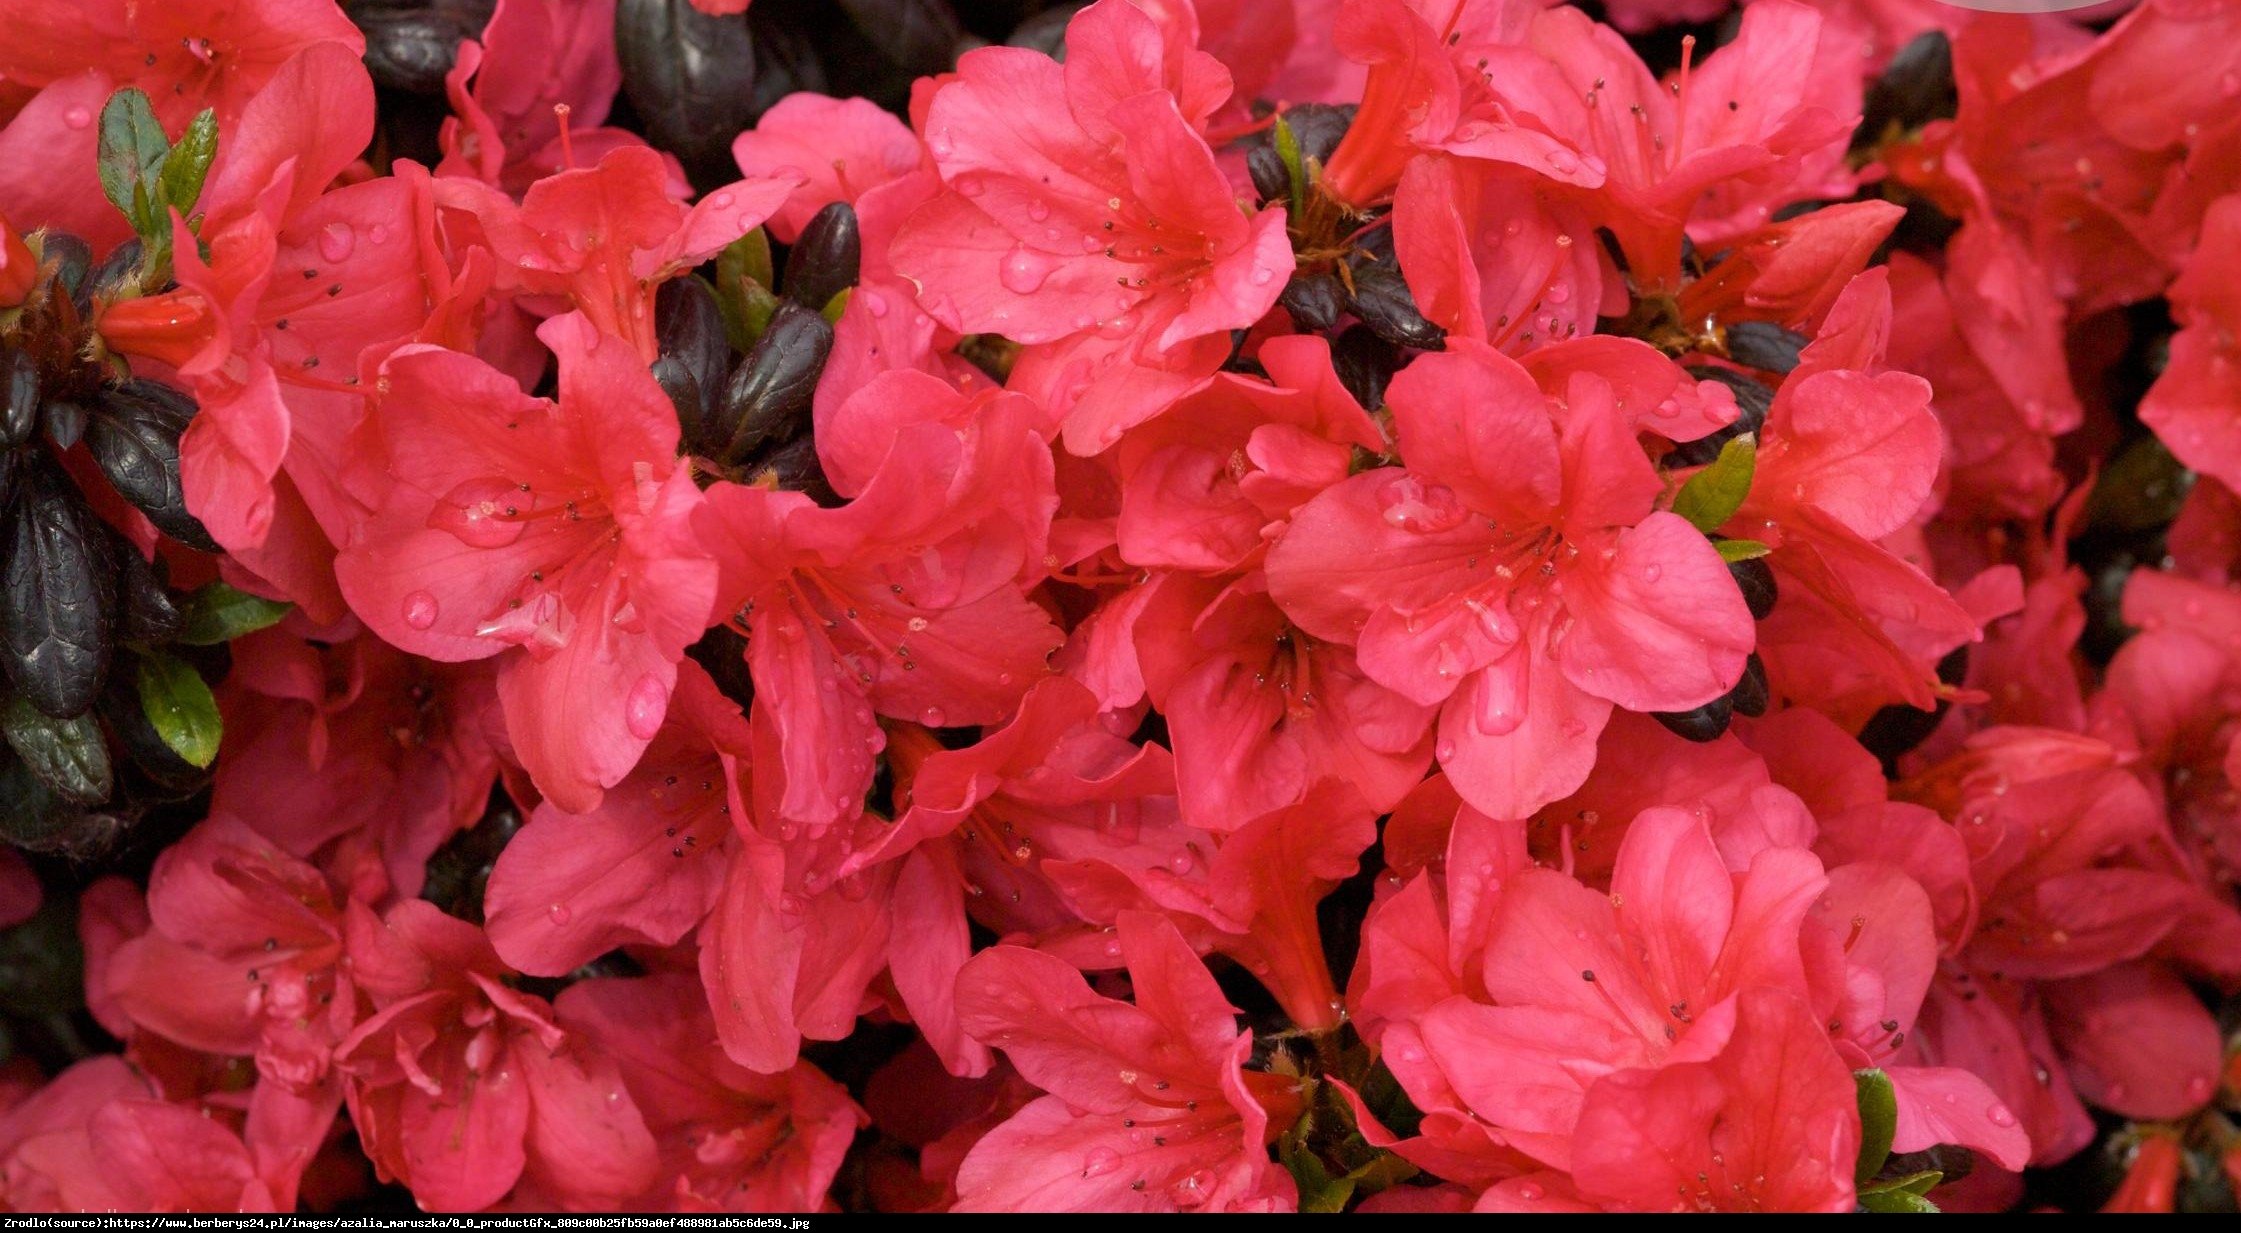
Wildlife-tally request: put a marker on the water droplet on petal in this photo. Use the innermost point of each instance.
(1998, 1115)
(1038, 210)
(1652, 572)
(480, 513)
(1529, 1192)
(1260, 276)
(77, 117)
(559, 913)
(933, 717)
(1024, 271)
(1099, 1162)
(420, 610)
(643, 710)
(336, 240)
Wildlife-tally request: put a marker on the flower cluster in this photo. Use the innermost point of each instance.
(1387, 605)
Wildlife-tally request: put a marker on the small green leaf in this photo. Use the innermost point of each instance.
(1713, 494)
(1913, 1183)
(188, 164)
(1733, 550)
(837, 305)
(1295, 174)
(68, 755)
(743, 278)
(218, 613)
(179, 705)
(131, 155)
(1879, 1121)
(1896, 1201)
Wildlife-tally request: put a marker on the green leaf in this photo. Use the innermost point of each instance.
(1896, 1201)
(1733, 550)
(837, 305)
(1713, 494)
(1879, 1121)
(131, 155)
(68, 755)
(179, 705)
(1287, 148)
(218, 613)
(743, 278)
(1913, 1183)
(188, 164)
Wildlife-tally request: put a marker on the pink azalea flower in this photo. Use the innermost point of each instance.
(1762, 121)
(460, 1086)
(1084, 198)
(1149, 1108)
(329, 740)
(100, 1137)
(186, 56)
(641, 867)
(544, 75)
(555, 534)
(983, 823)
(2191, 405)
(601, 239)
(268, 332)
(257, 937)
(907, 601)
(730, 1140)
(840, 149)
(1516, 574)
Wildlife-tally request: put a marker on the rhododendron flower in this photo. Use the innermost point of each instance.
(906, 600)
(1084, 197)
(1515, 573)
(841, 149)
(1148, 1108)
(1760, 121)
(544, 75)
(328, 741)
(556, 534)
(258, 935)
(268, 331)
(729, 1140)
(600, 239)
(460, 1086)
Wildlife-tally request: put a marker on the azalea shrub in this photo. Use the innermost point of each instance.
(1153, 605)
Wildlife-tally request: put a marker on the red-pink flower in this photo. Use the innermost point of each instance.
(1515, 573)
(1081, 199)
(645, 864)
(357, 737)
(460, 1086)
(243, 955)
(601, 239)
(2193, 406)
(553, 533)
(907, 601)
(1149, 1107)
(839, 148)
(544, 74)
(730, 1140)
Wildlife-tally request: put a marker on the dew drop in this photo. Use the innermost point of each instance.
(336, 241)
(1529, 1192)
(1038, 210)
(559, 913)
(642, 711)
(480, 513)
(420, 610)
(933, 717)
(1998, 1115)
(1261, 276)
(1024, 271)
(1652, 572)
(1100, 1162)
(77, 117)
